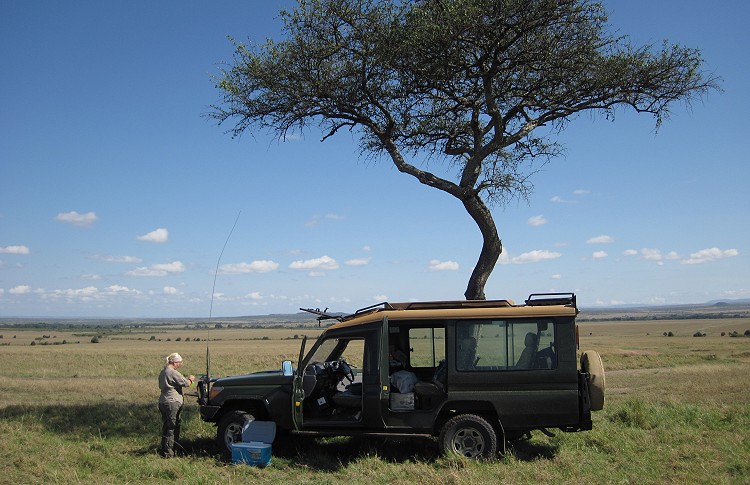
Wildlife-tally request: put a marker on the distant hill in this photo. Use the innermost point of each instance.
(713, 309)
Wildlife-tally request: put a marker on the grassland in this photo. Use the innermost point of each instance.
(677, 411)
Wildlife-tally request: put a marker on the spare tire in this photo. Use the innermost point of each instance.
(591, 363)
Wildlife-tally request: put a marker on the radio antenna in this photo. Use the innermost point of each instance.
(213, 292)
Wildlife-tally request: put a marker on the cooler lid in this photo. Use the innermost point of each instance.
(262, 431)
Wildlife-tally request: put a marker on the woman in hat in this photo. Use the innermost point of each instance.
(171, 383)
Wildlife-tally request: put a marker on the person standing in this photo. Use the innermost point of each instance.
(171, 383)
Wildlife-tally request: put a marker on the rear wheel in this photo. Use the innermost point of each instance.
(230, 427)
(591, 363)
(469, 435)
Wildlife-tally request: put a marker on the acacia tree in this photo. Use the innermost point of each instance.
(467, 83)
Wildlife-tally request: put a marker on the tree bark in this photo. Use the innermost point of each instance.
(492, 247)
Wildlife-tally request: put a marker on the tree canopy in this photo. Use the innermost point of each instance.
(464, 82)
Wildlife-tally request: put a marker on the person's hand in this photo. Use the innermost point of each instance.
(192, 378)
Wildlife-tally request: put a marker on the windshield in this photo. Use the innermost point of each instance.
(323, 353)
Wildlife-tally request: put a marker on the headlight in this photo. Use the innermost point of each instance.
(215, 390)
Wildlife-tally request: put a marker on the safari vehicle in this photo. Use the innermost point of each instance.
(474, 374)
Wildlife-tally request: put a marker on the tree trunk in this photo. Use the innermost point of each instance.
(492, 247)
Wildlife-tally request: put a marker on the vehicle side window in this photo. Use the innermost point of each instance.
(427, 346)
(501, 345)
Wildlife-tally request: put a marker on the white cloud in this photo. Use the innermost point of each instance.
(630, 252)
(86, 294)
(255, 295)
(114, 289)
(380, 298)
(366, 248)
(599, 255)
(556, 277)
(173, 267)
(144, 271)
(536, 221)
(535, 256)
(358, 262)
(170, 290)
(436, 265)
(160, 235)
(162, 269)
(324, 263)
(119, 259)
(15, 250)
(651, 254)
(259, 266)
(316, 219)
(91, 276)
(578, 193)
(20, 290)
(80, 220)
(710, 254)
(603, 239)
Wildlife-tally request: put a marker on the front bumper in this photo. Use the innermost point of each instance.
(208, 412)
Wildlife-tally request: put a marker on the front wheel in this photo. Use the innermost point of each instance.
(469, 435)
(229, 429)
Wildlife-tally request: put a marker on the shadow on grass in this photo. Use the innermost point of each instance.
(331, 454)
(129, 421)
(85, 420)
(525, 450)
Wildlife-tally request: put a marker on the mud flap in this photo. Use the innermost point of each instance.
(584, 403)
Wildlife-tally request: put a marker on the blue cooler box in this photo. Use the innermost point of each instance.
(255, 448)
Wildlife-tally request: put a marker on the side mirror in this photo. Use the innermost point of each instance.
(286, 368)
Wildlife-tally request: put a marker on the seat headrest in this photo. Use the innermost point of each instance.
(530, 340)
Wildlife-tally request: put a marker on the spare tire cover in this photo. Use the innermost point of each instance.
(591, 363)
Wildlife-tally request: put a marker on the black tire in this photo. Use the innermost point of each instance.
(591, 363)
(229, 429)
(469, 435)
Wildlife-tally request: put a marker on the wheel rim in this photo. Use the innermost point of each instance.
(233, 430)
(469, 442)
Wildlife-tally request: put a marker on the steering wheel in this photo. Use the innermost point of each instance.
(346, 369)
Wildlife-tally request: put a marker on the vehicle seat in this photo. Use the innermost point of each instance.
(347, 399)
(527, 356)
(427, 391)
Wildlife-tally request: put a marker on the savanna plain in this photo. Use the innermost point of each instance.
(677, 411)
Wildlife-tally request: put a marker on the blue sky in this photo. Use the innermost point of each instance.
(116, 195)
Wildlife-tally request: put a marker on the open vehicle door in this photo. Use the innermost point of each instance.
(298, 392)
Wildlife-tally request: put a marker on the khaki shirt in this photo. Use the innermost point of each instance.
(171, 383)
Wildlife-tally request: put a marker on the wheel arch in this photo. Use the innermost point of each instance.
(253, 406)
(485, 409)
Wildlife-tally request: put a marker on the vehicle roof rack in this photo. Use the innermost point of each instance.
(548, 299)
(323, 315)
(367, 309)
(429, 305)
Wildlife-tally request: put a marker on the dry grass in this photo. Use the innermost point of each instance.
(677, 411)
